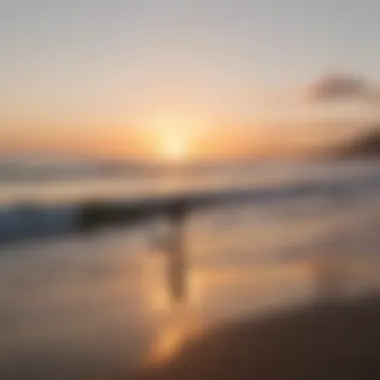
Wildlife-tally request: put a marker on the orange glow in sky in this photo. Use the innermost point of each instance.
(202, 80)
(172, 138)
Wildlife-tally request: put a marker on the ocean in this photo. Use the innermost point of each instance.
(96, 305)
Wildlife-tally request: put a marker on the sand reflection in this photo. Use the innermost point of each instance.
(176, 319)
(179, 330)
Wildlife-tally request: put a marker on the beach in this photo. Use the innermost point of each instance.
(97, 304)
(339, 340)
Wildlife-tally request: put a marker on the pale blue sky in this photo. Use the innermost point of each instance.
(71, 65)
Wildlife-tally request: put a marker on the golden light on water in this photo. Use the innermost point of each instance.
(181, 324)
(180, 330)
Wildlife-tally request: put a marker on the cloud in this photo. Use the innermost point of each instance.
(340, 87)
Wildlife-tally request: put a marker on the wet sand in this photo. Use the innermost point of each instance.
(339, 340)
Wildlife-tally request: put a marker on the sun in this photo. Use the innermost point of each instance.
(172, 139)
(174, 148)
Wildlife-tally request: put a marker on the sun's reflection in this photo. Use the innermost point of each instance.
(196, 289)
(180, 329)
(160, 300)
(176, 320)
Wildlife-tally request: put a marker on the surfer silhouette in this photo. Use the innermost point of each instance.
(171, 243)
(177, 263)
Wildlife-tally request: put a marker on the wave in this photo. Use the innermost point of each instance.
(38, 221)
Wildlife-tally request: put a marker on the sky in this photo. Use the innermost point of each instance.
(223, 77)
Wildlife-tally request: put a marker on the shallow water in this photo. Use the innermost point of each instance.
(94, 306)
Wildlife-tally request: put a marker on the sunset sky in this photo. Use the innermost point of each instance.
(185, 77)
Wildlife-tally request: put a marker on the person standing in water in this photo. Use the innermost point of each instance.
(177, 261)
